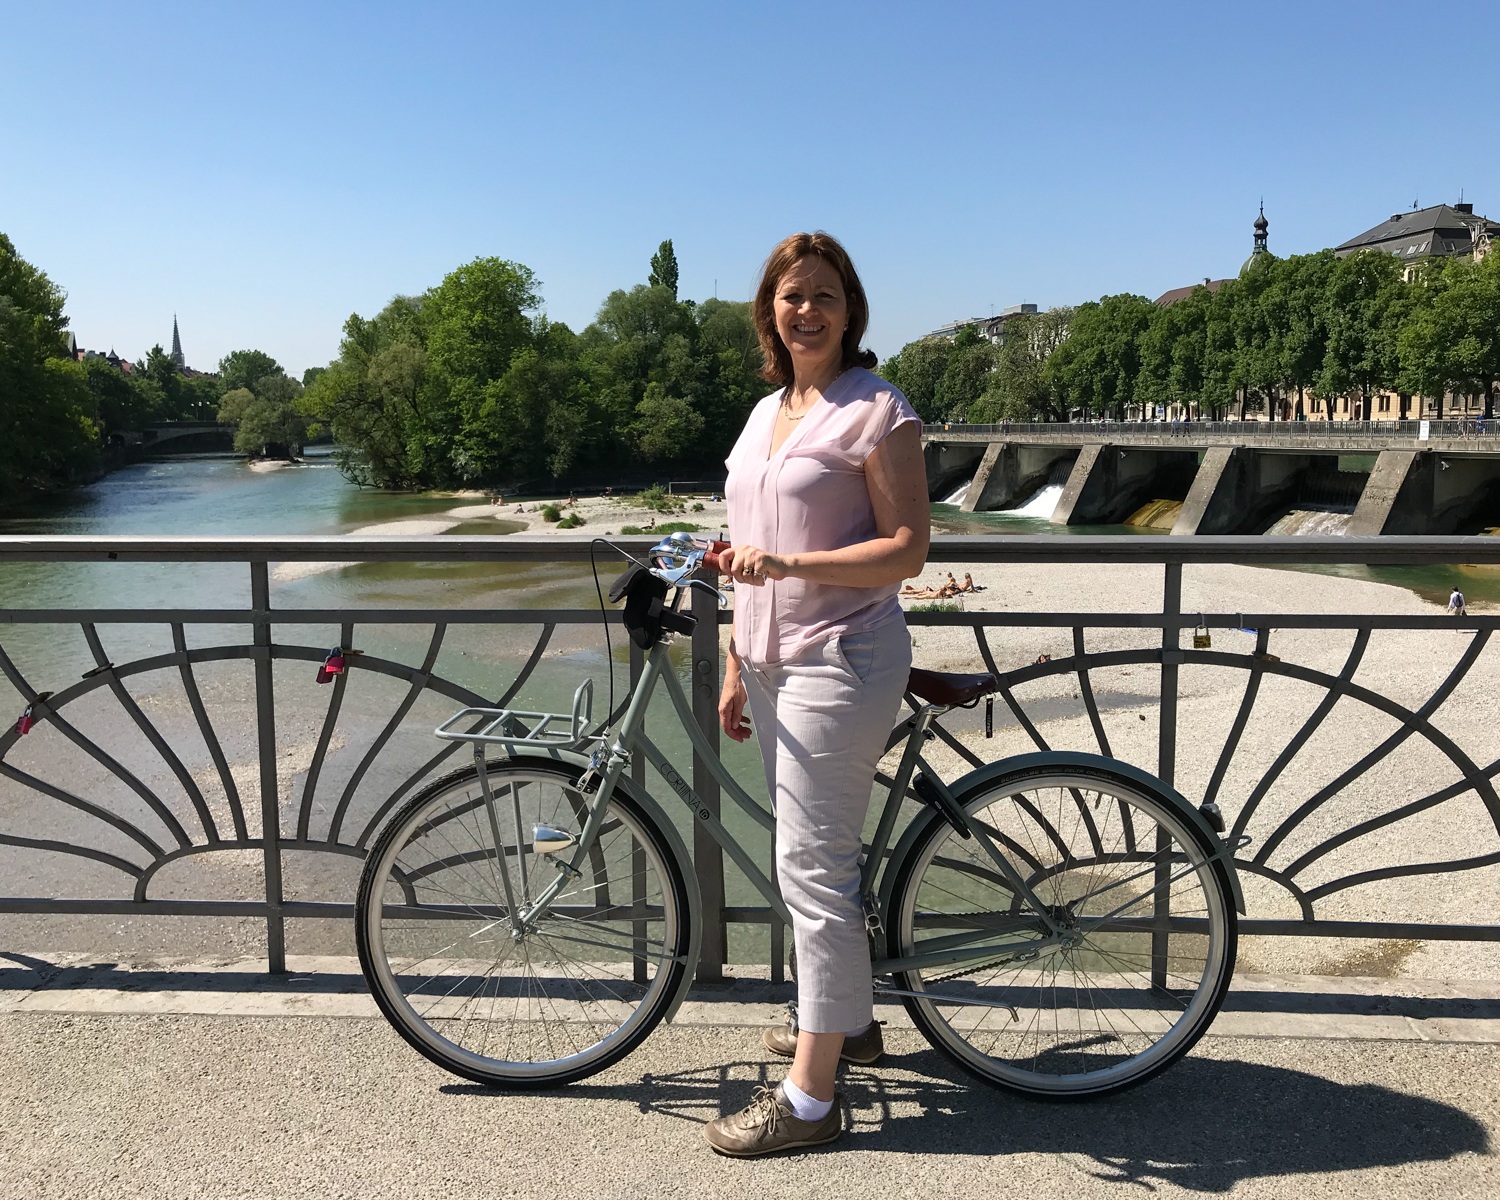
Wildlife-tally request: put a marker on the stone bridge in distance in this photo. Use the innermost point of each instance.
(178, 437)
(1401, 477)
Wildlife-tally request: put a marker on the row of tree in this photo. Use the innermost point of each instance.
(1287, 340)
(58, 414)
(471, 384)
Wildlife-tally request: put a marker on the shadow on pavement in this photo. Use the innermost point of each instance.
(1205, 1125)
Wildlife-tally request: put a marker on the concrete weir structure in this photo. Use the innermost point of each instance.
(1232, 478)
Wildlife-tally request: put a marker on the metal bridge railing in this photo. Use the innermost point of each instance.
(1346, 784)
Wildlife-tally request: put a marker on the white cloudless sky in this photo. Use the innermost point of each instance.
(262, 171)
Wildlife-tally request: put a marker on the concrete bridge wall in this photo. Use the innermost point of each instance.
(1227, 489)
(950, 464)
(1108, 483)
(1010, 473)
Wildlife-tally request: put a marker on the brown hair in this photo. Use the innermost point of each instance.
(778, 365)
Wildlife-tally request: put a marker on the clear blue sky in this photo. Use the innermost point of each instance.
(263, 170)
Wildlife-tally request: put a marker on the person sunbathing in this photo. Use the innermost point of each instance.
(943, 591)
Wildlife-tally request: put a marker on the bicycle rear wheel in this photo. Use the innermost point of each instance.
(563, 999)
(1149, 921)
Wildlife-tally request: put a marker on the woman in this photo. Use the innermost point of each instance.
(828, 514)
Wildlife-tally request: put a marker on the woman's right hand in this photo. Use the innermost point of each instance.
(732, 701)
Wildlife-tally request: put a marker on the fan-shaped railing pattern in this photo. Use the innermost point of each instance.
(1286, 831)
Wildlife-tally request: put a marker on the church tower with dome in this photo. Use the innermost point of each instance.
(1260, 252)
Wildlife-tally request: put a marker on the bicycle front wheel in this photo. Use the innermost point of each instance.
(1147, 937)
(501, 1001)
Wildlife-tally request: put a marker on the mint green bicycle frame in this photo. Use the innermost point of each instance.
(629, 737)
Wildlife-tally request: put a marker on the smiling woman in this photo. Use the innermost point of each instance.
(827, 515)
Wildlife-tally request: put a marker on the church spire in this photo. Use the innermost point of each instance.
(1261, 225)
(177, 360)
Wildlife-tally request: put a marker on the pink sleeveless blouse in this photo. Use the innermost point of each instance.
(810, 495)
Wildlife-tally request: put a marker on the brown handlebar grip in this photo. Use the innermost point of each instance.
(711, 556)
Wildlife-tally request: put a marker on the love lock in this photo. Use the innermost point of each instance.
(28, 717)
(333, 665)
(1201, 638)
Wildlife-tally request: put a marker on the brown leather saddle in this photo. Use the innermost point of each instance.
(939, 687)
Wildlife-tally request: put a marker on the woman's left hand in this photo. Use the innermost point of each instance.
(750, 564)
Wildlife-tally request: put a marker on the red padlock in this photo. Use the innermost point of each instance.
(332, 665)
(23, 726)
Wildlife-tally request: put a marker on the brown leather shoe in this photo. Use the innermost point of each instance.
(767, 1124)
(862, 1049)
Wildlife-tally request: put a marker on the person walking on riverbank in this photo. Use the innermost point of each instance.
(828, 513)
(1457, 607)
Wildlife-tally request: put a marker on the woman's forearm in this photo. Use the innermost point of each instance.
(876, 563)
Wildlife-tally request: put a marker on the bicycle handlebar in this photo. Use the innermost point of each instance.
(711, 555)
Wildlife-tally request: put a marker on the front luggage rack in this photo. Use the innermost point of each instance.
(514, 727)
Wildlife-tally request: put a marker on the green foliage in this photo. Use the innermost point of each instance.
(664, 268)
(697, 506)
(267, 411)
(551, 513)
(918, 370)
(49, 425)
(571, 521)
(1019, 387)
(663, 529)
(1096, 368)
(1283, 339)
(655, 497)
(241, 368)
(469, 385)
(1450, 340)
(937, 606)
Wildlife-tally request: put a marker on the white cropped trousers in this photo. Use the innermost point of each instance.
(822, 724)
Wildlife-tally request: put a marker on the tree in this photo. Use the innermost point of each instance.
(241, 368)
(48, 414)
(1174, 353)
(267, 419)
(1097, 366)
(664, 268)
(968, 376)
(1449, 340)
(121, 401)
(1362, 309)
(917, 370)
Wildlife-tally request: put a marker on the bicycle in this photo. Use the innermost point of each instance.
(1058, 924)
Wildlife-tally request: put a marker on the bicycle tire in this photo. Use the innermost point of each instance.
(571, 997)
(1090, 1019)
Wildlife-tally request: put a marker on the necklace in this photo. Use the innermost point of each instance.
(786, 400)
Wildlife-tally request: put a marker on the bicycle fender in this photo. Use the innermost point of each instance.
(1064, 759)
(675, 844)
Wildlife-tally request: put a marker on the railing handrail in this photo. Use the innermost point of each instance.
(1249, 549)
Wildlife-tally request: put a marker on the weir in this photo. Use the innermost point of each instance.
(1447, 485)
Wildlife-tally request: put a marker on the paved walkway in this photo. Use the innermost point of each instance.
(210, 1089)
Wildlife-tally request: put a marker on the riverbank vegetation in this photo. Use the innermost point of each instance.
(64, 417)
(1290, 338)
(470, 384)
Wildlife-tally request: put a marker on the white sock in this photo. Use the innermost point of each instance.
(804, 1107)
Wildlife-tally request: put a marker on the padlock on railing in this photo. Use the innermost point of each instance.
(333, 665)
(1201, 638)
(27, 719)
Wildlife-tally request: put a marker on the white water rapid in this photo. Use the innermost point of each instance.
(1040, 505)
(1313, 521)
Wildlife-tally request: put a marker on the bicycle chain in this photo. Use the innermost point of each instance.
(985, 964)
